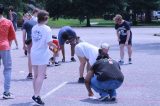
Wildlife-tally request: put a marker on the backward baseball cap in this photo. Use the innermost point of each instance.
(104, 46)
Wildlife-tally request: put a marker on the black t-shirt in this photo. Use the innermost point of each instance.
(106, 69)
(122, 29)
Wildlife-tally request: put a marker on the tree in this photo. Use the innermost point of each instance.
(57, 8)
(82, 9)
(143, 6)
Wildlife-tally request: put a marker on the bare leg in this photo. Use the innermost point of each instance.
(29, 63)
(72, 50)
(35, 68)
(82, 65)
(41, 71)
(122, 51)
(129, 51)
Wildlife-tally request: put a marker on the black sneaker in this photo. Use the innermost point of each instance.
(63, 60)
(104, 98)
(121, 62)
(25, 52)
(38, 100)
(130, 61)
(29, 76)
(81, 80)
(113, 99)
(73, 59)
(8, 95)
(56, 64)
(45, 77)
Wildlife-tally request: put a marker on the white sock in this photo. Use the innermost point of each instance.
(56, 59)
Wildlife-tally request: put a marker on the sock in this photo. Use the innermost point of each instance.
(56, 59)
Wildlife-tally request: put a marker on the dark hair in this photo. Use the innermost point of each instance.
(65, 36)
(1, 9)
(102, 55)
(11, 8)
(42, 16)
(36, 10)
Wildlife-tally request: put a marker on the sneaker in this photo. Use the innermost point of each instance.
(45, 77)
(104, 98)
(25, 52)
(73, 59)
(130, 61)
(8, 95)
(56, 64)
(29, 76)
(63, 60)
(113, 99)
(81, 80)
(121, 62)
(38, 100)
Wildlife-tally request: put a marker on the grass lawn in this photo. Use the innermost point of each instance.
(94, 23)
(76, 23)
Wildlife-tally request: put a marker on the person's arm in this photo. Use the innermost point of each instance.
(24, 38)
(10, 15)
(52, 45)
(118, 35)
(88, 82)
(128, 33)
(63, 52)
(128, 36)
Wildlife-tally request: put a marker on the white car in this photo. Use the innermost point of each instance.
(156, 15)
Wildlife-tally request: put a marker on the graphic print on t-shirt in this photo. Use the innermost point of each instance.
(122, 31)
(37, 35)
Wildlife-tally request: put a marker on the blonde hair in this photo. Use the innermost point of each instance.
(117, 17)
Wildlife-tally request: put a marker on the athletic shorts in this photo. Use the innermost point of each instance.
(123, 40)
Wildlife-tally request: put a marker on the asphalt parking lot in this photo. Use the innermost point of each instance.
(140, 87)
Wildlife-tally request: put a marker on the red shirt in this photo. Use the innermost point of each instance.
(55, 41)
(7, 33)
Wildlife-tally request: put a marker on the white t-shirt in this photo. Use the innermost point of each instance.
(40, 53)
(84, 49)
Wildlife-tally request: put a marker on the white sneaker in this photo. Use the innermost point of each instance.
(8, 95)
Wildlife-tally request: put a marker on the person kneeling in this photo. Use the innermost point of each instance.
(104, 77)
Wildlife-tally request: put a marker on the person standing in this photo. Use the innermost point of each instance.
(124, 36)
(27, 41)
(13, 18)
(7, 34)
(67, 35)
(40, 53)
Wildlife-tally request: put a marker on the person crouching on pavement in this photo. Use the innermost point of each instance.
(105, 76)
(55, 51)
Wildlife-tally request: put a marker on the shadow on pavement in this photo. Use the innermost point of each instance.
(96, 101)
(23, 104)
(150, 48)
(16, 80)
(74, 83)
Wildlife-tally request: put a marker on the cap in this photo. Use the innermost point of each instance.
(104, 46)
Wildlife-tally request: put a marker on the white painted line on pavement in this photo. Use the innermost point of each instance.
(53, 90)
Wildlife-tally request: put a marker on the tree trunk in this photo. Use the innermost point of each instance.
(148, 16)
(134, 20)
(88, 21)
